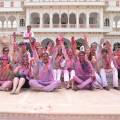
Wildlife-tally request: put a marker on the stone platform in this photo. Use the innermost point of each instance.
(61, 105)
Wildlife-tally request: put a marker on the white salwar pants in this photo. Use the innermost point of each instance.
(57, 74)
(104, 78)
(98, 82)
(68, 75)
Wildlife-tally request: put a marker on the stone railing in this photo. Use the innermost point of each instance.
(35, 25)
(82, 25)
(7, 29)
(94, 25)
(58, 26)
(65, 0)
(116, 29)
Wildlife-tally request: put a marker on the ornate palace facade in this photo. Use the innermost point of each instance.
(48, 18)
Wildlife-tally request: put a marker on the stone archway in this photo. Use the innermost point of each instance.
(45, 42)
(72, 20)
(46, 20)
(67, 43)
(116, 22)
(56, 20)
(2, 20)
(64, 20)
(35, 19)
(94, 20)
(80, 42)
(12, 23)
(82, 20)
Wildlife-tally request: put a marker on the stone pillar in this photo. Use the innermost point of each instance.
(40, 20)
(68, 15)
(77, 20)
(59, 20)
(27, 17)
(111, 22)
(87, 20)
(51, 23)
(18, 21)
(101, 21)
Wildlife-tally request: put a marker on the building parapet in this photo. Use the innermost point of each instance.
(64, 2)
(11, 6)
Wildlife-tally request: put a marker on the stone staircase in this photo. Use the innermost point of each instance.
(61, 105)
(23, 116)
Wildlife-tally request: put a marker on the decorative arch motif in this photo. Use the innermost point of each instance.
(94, 20)
(116, 22)
(107, 22)
(2, 19)
(12, 23)
(72, 18)
(34, 19)
(45, 42)
(64, 20)
(82, 20)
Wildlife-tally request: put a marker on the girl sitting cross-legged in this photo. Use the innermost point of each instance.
(22, 73)
(45, 81)
(85, 75)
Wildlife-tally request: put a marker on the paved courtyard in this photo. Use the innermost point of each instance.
(62, 102)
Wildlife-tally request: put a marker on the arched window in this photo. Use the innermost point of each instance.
(64, 20)
(82, 20)
(116, 21)
(34, 19)
(56, 20)
(12, 19)
(46, 20)
(72, 18)
(2, 19)
(94, 20)
(107, 22)
(22, 22)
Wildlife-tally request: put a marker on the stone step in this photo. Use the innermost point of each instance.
(61, 105)
(24, 116)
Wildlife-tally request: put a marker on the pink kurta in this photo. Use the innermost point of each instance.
(84, 71)
(46, 81)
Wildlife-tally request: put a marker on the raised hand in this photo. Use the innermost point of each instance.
(102, 41)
